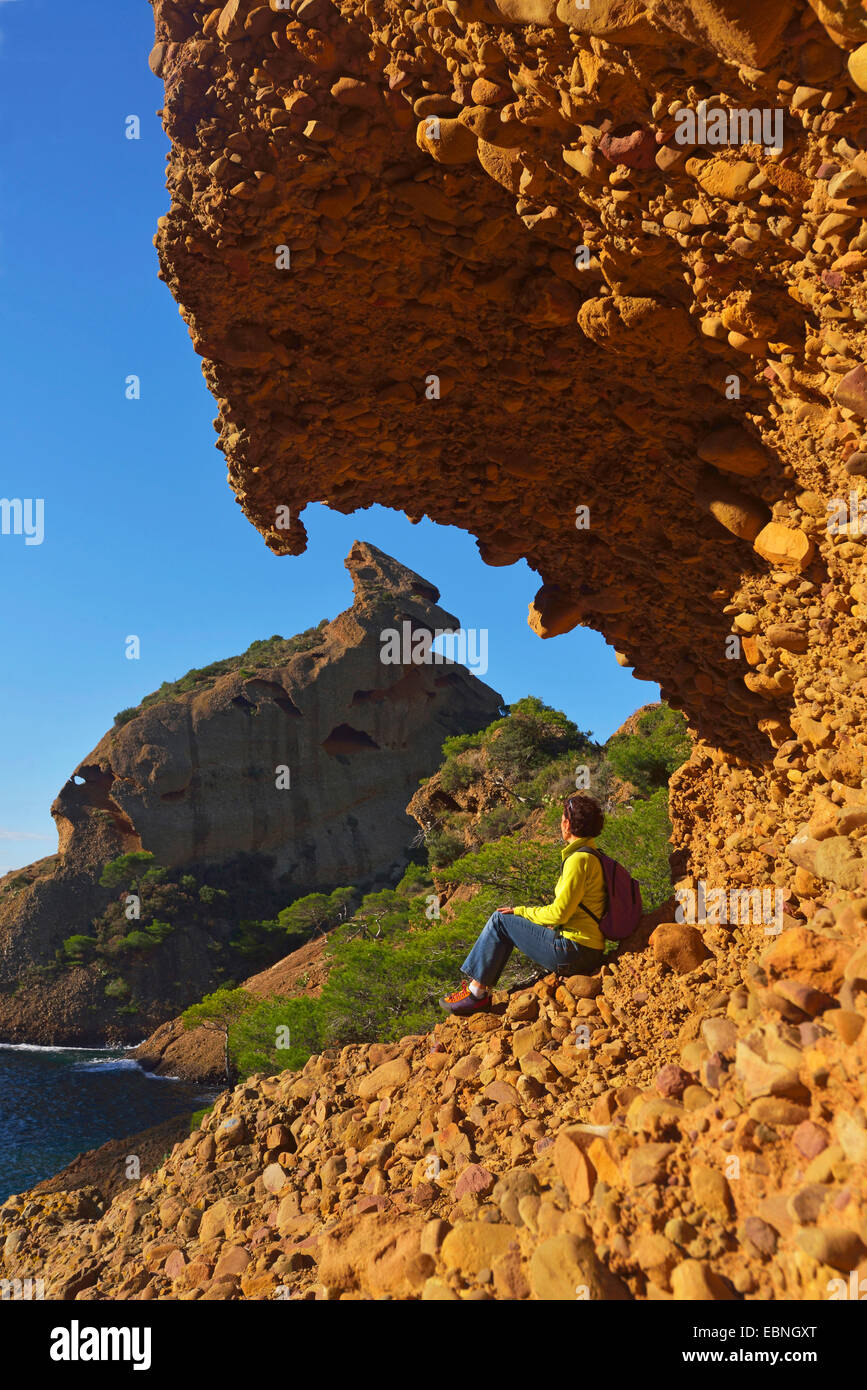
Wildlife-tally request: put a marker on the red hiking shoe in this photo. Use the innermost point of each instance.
(463, 1001)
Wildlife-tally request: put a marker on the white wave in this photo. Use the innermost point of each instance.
(108, 1064)
(37, 1047)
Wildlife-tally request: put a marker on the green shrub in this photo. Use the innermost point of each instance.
(125, 715)
(639, 839)
(387, 987)
(136, 941)
(456, 775)
(386, 910)
(461, 743)
(658, 748)
(258, 940)
(159, 930)
(533, 734)
(217, 1010)
(416, 879)
(275, 1035)
(444, 846)
(124, 871)
(207, 894)
(316, 911)
(117, 989)
(518, 871)
(502, 820)
(78, 947)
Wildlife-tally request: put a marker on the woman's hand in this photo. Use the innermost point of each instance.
(505, 909)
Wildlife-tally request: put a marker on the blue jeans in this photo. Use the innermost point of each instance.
(503, 931)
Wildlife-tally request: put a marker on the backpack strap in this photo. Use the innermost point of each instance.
(582, 907)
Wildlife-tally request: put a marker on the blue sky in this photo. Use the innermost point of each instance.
(142, 533)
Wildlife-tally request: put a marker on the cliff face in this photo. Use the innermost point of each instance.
(195, 780)
(456, 260)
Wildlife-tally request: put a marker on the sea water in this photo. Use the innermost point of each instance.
(56, 1103)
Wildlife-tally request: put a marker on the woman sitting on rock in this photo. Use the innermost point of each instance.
(562, 937)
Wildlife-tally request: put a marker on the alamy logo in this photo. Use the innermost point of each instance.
(739, 907)
(848, 520)
(856, 1289)
(718, 125)
(414, 647)
(23, 517)
(77, 1343)
(22, 1290)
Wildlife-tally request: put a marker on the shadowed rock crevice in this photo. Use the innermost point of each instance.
(346, 740)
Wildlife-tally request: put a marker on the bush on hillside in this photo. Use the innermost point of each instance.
(639, 839)
(316, 911)
(219, 1011)
(125, 871)
(658, 748)
(275, 1035)
(533, 734)
(456, 775)
(416, 879)
(443, 846)
(516, 870)
(76, 948)
(462, 743)
(499, 821)
(136, 941)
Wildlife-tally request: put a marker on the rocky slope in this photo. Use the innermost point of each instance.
(666, 1131)
(105, 1171)
(193, 779)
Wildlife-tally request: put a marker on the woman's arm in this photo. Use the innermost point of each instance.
(570, 891)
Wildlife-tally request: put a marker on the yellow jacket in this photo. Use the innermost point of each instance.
(581, 881)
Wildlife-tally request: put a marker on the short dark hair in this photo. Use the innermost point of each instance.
(585, 816)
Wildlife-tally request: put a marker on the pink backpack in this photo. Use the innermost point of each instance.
(624, 899)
